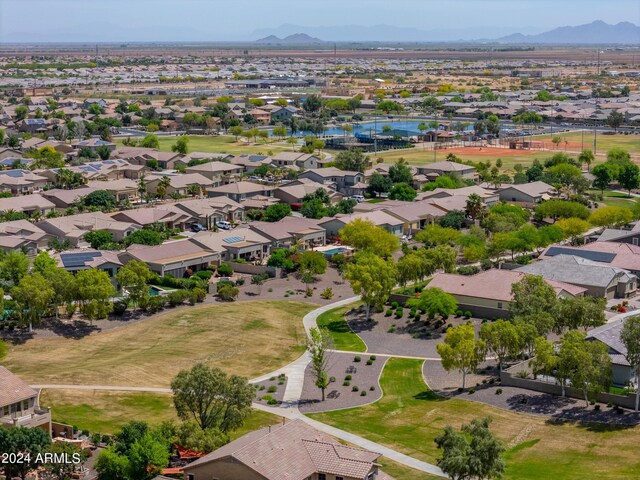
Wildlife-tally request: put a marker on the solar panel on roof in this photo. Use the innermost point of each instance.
(604, 257)
(232, 239)
(71, 260)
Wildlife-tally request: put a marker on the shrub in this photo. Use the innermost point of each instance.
(592, 402)
(391, 329)
(348, 377)
(458, 313)
(198, 294)
(394, 304)
(267, 397)
(240, 282)
(522, 374)
(417, 317)
(332, 379)
(327, 293)
(468, 270)
(399, 312)
(369, 362)
(356, 358)
(177, 298)
(156, 303)
(363, 393)
(227, 292)
(372, 388)
(372, 358)
(272, 389)
(261, 387)
(467, 314)
(354, 388)
(95, 438)
(106, 439)
(225, 270)
(498, 391)
(472, 391)
(119, 307)
(204, 274)
(597, 407)
(412, 313)
(346, 383)
(389, 312)
(273, 401)
(486, 264)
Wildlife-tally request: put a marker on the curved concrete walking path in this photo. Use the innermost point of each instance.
(293, 392)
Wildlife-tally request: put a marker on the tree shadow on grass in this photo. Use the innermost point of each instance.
(75, 329)
(429, 395)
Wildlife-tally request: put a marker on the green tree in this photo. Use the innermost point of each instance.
(461, 351)
(372, 278)
(318, 346)
(363, 235)
(388, 106)
(134, 276)
(259, 279)
(94, 293)
(580, 312)
(150, 141)
(111, 465)
(435, 301)
(434, 235)
(378, 184)
(236, 131)
(587, 157)
(43, 262)
(534, 296)
(503, 339)
(400, 172)
(402, 191)
(603, 177)
(442, 257)
(630, 337)
(147, 456)
(277, 212)
(352, 160)
(181, 145)
(64, 286)
(32, 294)
(453, 219)
(409, 268)
(474, 207)
(573, 227)
(100, 199)
(472, 453)
(212, 398)
(311, 263)
(615, 119)
(556, 209)
(609, 216)
(144, 237)
(29, 442)
(628, 177)
(313, 208)
(98, 238)
(13, 266)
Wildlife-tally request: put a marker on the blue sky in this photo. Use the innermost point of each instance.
(144, 20)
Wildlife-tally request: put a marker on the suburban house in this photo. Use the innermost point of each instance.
(141, 156)
(20, 405)
(243, 243)
(294, 192)
(209, 211)
(621, 372)
(122, 189)
(415, 216)
(292, 451)
(621, 235)
(22, 234)
(175, 258)
(434, 170)
(259, 202)
(169, 216)
(94, 144)
(620, 255)
(63, 199)
(86, 258)
(600, 279)
(31, 205)
(379, 218)
(295, 160)
(488, 293)
(250, 162)
(533, 192)
(283, 114)
(21, 182)
(241, 190)
(304, 232)
(219, 172)
(75, 227)
(181, 184)
(346, 182)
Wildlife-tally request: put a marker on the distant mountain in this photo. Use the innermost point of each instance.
(597, 32)
(293, 39)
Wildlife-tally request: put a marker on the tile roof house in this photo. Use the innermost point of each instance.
(290, 230)
(169, 216)
(19, 404)
(446, 167)
(293, 192)
(379, 218)
(293, 451)
(533, 192)
(22, 182)
(295, 160)
(620, 255)
(600, 279)
(250, 162)
(241, 190)
(86, 258)
(209, 211)
(219, 172)
(173, 258)
(182, 184)
(22, 233)
(75, 227)
(488, 293)
(244, 243)
(64, 199)
(609, 334)
(345, 182)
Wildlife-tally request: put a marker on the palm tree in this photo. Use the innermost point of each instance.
(475, 206)
(142, 187)
(163, 185)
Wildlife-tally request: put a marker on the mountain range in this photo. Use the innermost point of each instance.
(597, 32)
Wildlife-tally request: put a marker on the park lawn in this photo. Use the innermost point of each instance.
(343, 337)
(415, 156)
(615, 199)
(400, 472)
(219, 144)
(107, 411)
(243, 338)
(630, 143)
(409, 416)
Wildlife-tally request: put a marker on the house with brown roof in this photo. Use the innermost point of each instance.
(488, 293)
(86, 258)
(20, 404)
(123, 189)
(181, 184)
(168, 216)
(209, 211)
(219, 172)
(346, 182)
(295, 160)
(75, 227)
(302, 231)
(173, 258)
(294, 192)
(378, 217)
(292, 451)
(63, 199)
(243, 243)
(31, 205)
(22, 234)
(241, 190)
(445, 167)
(22, 182)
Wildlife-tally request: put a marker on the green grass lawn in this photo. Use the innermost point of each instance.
(409, 417)
(221, 144)
(615, 199)
(343, 337)
(106, 411)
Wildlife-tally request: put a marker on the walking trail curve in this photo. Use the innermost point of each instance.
(289, 406)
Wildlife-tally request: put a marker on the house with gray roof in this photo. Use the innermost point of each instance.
(533, 192)
(609, 334)
(599, 279)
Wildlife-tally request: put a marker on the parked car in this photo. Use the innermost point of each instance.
(197, 227)
(358, 198)
(224, 225)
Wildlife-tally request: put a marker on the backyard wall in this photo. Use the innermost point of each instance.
(255, 269)
(509, 378)
(480, 309)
